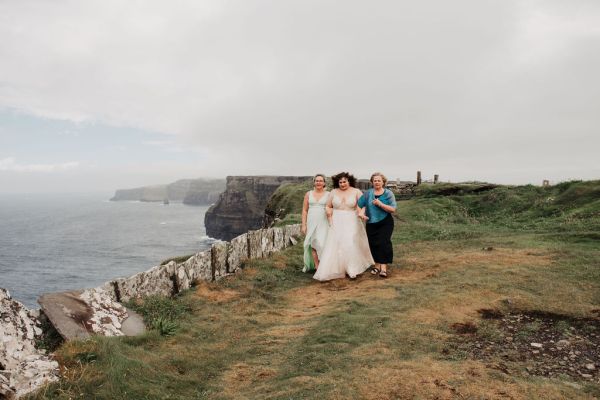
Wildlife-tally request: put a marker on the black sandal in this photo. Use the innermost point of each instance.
(374, 271)
(383, 274)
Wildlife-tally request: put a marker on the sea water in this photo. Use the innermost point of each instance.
(52, 243)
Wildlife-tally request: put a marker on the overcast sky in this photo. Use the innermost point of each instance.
(99, 95)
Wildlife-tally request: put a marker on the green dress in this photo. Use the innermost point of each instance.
(316, 229)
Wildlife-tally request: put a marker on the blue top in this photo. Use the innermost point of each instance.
(375, 213)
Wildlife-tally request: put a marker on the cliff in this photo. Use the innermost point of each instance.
(285, 205)
(242, 206)
(188, 191)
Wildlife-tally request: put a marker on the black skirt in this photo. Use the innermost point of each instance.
(380, 240)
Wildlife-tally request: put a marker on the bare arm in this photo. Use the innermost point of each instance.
(360, 211)
(329, 207)
(304, 213)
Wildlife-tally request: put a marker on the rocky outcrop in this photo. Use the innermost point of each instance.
(188, 191)
(23, 368)
(241, 206)
(79, 314)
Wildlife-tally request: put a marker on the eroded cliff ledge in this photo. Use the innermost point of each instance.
(242, 206)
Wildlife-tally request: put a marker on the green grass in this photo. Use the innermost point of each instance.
(271, 332)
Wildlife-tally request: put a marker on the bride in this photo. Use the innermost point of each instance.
(346, 251)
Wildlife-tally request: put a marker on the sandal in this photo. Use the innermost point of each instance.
(374, 271)
(383, 274)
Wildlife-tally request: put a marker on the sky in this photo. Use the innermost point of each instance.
(100, 95)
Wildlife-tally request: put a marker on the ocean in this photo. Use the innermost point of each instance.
(52, 243)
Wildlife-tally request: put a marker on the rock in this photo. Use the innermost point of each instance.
(68, 313)
(182, 278)
(24, 367)
(199, 266)
(107, 315)
(237, 253)
(159, 280)
(587, 376)
(291, 233)
(590, 367)
(267, 242)
(241, 207)
(255, 244)
(219, 260)
(537, 345)
(563, 343)
(278, 239)
(78, 314)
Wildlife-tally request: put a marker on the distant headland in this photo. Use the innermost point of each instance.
(189, 191)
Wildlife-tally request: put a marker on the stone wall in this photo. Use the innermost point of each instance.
(222, 259)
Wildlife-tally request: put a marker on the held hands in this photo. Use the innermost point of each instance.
(361, 215)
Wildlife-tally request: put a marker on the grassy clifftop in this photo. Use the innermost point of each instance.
(493, 294)
(567, 204)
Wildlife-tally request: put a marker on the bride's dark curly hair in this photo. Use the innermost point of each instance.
(347, 175)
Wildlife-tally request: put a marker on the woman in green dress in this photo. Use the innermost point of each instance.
(314, 223)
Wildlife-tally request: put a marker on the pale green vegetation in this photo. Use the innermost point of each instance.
(271, 332)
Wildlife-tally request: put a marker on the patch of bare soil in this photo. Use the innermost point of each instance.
(534, 343)
(215, 292)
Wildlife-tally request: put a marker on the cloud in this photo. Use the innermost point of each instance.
(10, 164)
(292, 87)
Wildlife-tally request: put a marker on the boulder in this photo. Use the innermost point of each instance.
(255, 244)
(291, 234)
(219, 259)
(159, 280)
(278, 239)
(267, 242)
(237, 252)
(110, 318)
(199, 266)
(24, 367)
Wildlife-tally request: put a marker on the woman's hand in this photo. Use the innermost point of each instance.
(377, 203)
(361, 214)
(303, 229)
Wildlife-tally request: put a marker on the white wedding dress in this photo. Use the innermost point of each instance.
(346, 249)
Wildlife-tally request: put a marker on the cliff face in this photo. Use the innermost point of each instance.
(189, 191)
(201, 192)
(242, 206)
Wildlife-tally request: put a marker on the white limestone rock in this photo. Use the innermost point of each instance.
(199, 266)
(266, 242)
(182, 278)
(219, 259)
(156, 281)
(291, 234)
(25, 367)
(255, 244)
(107, 315)
(278, 239)
(237, 253)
